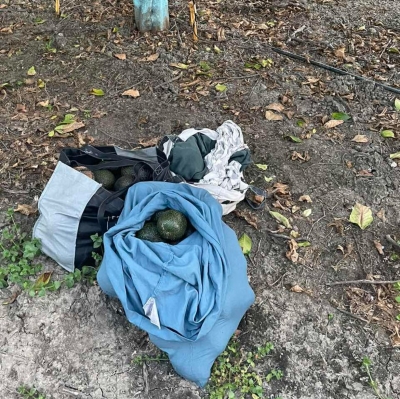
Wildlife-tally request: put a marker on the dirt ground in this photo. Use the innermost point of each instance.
(76, 343)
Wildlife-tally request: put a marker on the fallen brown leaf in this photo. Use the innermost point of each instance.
(333, 123)
(272, 116)
(296, 288)
(276, 107)
(281, 189)
(340, 52)
(248, 217)
(72, 126)
(379, 247)
(381, 215)
(292, 253)
(303, 157)
(150, 58)
(305, 198)
(364, 172)
(25, 209)
(131, 93)
(150, 143)
(120, 56)
(360, 138)
(12, 298)
(221, 35)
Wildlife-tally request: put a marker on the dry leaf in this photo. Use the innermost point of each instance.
(381, 215)
(333, 123)
(281, 189)
(340, 248)
(303, 157)
(43, 103)
(12, 298)
(85, 171)
(120, 56)
(295, 208)
(25, 209)
(152, 57)
(360, 138)
(379, 247)
(272, 116)
(150, 143)
(340, 52)
(276, 107)
(221, 35)
(296, 288)
(72, 126)
(305, 198)
(248, 217)
(131, 93)
(364, 172)
(292, 253)
(338, 225)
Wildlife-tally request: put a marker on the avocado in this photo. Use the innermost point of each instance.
(172, 225)
(104, 177)
(149, 232)
(124, 181)
(128, 171)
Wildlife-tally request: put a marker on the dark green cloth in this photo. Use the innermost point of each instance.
(187, 157)
(243, 157)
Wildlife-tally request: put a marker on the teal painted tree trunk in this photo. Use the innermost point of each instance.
(151, 15)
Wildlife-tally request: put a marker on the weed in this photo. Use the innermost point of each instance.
(234, 372)
(366, 365)
(18, 253)
(87, 114)
(140, 359)
(30, 393)
(277, 374)
(17, 262)
(49, 47)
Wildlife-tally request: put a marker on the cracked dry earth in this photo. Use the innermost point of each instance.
(76, 343)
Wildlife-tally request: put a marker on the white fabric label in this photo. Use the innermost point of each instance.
(150, 310)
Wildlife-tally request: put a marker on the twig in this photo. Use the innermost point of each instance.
(308, 235)
(279, 279)
(393, 242)
(363, 282)
(352, 315)
(283, 236)
(333, 69)
(169, 81)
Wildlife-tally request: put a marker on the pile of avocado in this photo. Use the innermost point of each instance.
(168, 226)
(115, 180)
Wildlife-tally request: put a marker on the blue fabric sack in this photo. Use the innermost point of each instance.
(189, 297)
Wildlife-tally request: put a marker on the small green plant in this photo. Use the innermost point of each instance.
(140, 359)
(30, 393)
(87, 114)
(18, 265)
(49, 47)
(234, 373)
(18, 253)
(366, 365)
(277, 374)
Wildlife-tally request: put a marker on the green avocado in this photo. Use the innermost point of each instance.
(128, 171)
(149, 232)
(104, 177)
(124, 181)
(172, 225)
